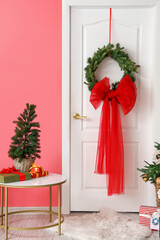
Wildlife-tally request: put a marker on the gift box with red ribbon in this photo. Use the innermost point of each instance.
(149, 217)
(37, 171)
(8, 175)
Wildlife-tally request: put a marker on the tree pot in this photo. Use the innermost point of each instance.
(25, 165)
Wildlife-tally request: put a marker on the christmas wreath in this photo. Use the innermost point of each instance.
(124, 93)
(115, 52)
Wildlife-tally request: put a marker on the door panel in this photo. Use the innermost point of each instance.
(132, 28)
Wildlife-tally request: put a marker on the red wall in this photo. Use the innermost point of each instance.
(30, 71)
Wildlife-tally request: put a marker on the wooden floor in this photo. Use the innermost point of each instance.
(26, 220)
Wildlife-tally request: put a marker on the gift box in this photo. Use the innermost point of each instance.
(36, 175)
(149, 217)
(37, 171)
(14, 177)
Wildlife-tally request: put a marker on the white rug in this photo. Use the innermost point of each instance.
(107, 224)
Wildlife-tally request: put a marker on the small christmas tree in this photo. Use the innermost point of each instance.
(151, 171)
(26, 143)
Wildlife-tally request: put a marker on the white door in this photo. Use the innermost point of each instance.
(132, 28)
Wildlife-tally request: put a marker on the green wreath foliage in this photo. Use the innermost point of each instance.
(126, 64)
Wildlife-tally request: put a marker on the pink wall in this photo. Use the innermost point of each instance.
(30, 71)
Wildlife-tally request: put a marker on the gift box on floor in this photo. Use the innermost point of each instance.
(149, 217)
(14, 177)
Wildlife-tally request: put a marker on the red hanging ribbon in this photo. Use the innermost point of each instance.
(14, 170)
(110, 18)
(110, 151)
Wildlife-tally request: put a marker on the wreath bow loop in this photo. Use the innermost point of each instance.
(126, 94)
(110, 151)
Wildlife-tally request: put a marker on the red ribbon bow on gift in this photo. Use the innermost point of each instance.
(14, 170)
(110, 151)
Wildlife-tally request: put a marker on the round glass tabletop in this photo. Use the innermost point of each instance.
(49, 180)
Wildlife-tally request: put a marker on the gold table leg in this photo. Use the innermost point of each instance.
(59, 209)
(1, 205)
(50, 203)
(6, 213)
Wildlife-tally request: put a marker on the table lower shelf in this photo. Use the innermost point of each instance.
(33, 228)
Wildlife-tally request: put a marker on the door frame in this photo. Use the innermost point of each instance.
(66, 79)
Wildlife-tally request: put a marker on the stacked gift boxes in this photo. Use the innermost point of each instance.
(14, 175)
(149, 217)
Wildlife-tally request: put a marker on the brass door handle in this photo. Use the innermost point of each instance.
(77, 116)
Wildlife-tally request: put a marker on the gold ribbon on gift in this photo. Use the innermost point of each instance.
(37, 171)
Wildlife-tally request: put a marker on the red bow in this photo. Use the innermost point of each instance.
(14, 170)
(110, 151)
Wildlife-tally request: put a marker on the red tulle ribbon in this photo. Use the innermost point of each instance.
(110, 151)
(14, 170)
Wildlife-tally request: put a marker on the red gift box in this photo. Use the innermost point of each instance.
(145, 215)
(36, 175)
(37, 171)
